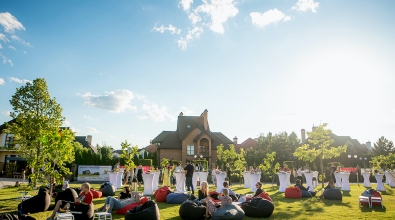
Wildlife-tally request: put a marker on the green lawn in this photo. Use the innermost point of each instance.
(313, 208)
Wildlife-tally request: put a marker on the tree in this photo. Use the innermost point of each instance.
(383, 147)
(37, 131)
(235, 160)
(269, 166)
(128, 152)
(319, 146)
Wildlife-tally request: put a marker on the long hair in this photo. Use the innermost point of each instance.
(206, 192)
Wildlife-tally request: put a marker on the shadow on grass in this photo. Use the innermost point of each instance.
(346, 193)
(335, 203)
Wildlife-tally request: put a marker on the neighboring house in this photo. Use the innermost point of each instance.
(354, 147)
(192, 137)
(117, 153)
(247, 144)
(8, 150)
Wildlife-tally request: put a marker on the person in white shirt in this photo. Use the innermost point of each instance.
(300, 174)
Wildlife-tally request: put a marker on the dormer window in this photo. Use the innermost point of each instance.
(188, 126)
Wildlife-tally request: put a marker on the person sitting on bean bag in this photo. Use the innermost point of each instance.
(38, 203)
(301, 187)
(225, 200)
(81, 204)
(119, 203)
(231, 193)
(125, 194)
(331, 185)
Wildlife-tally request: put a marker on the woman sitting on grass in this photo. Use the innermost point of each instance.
(80, 204)
(225, 200)
(203, 192)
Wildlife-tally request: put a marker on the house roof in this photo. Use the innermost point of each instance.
(82, 140)
(3, 126)
(151, 148)
(118, 151)
(247, 144)
(171, 142)
(186, 124)
(161, 137)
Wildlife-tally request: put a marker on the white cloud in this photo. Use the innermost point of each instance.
(219, 11)
(22, 81)
(11, 47)
(268, 17)
(2, 82)
(140, 96)
(195, 18)
(305, 5)
(75, 130)
(187, 111)
(117, 101)
(186, 4)
(157, 113)
(172, 29)
(6, 60)
(192, 34)
(90, 118)
(1, 46)
(112, 136)
(24, 52)
(16, 38)
(93, 130)
(4, 38)
(8, 113)
(10, 23)
(66, 123)
(141, 117)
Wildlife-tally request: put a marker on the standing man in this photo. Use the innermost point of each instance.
(189, 169)
(228, 173)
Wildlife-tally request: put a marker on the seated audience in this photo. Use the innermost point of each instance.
(299, 184)
(80, 204)
(330, 185)
(125, 194)
(231, 193)
(225, 200)
(259, 189)
(203, 192)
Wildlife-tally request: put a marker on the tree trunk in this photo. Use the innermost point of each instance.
(322, 172)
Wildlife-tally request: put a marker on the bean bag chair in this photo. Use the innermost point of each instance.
(67, 195)
(176, 198)
(96, 194)
(371, 193)
(88, 215)
(306, 194)
(214, 195)
(38, 203)
(266, 196)
(293, 193)
(107, 189)
(146, 211)
(333, 194)
(258, 208)
(376, 194)
(191, 210)
(161, 194)
(230, 211)
(131, 206)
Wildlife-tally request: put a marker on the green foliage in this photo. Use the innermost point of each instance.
(128, 152)
(229, 156)
(319, 146)
(164, 162)
(155, 158)
(383, 147)
(203, 162)
(269, 167)
(38, 119)
(145, 162)
(383, 162)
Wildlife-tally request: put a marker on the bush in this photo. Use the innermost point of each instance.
(145, 162)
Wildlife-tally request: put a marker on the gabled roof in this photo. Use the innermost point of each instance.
(247, 144)
(3, 126)
(171, 142)
(161, 137)
(118, 152)
(151, 148)
(186, 124)
(218, 138)
(82, 140)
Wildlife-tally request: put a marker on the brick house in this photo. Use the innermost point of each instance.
(192, 137)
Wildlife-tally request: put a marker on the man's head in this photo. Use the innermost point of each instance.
(298, 181)
(188, 162)
(226, 184)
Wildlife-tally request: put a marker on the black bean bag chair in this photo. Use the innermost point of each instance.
(38, 203)
(191, 210)
(230, 211)
(176, 198)
(333, 194)
(146, 211)
(87, 215)
(107, 189)
(258, 208)
(67, 195)
(306, 194)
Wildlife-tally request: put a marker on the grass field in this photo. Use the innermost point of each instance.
(313, 208)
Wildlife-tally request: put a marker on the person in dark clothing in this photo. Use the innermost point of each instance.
(259, 189)
(203, 192)
(189, 169)
(299, 184)
(140, 174)
(125, 194)
(228, 173)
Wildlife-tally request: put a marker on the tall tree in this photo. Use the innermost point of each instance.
(128, 152)
(319, 146)
(383, 147)
(37, 130)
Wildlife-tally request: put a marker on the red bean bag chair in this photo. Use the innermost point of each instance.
(161, 194)
(96, 194)
(214, 195)
(266, 196)
(132, 205)
(293, 193)
(376, 194)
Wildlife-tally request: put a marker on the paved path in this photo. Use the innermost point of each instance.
(9, 182)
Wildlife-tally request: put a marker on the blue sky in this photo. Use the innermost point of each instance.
(124, 70)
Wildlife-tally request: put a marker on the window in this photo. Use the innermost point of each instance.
(203, 150)
(188, 126)
(9, 141)
(190, 150)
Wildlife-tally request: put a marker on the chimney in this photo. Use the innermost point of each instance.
(369, 145)
(181, 114)
(89, 139)
(303, 136)
(205, 119)
(235, 140)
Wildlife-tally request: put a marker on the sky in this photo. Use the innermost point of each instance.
(124, 70)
